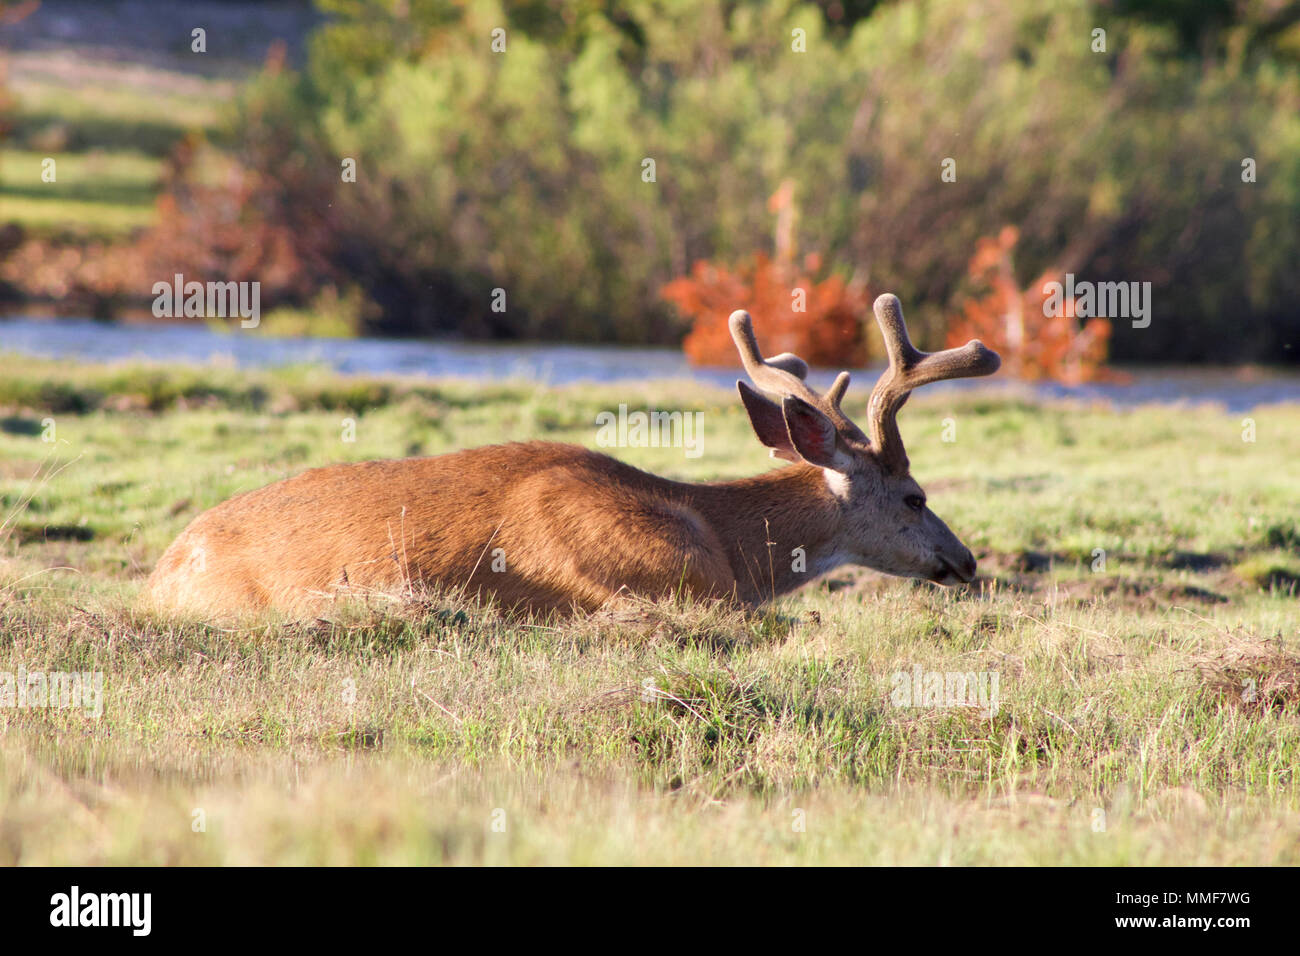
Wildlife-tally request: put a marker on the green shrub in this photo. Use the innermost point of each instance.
(525, 170)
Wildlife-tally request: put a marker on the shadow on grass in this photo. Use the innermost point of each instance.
(39, 130)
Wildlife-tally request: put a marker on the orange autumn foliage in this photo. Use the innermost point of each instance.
(1010, 320)
(829, 333)
(792, 311)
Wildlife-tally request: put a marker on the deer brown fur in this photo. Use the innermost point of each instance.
(544, 526)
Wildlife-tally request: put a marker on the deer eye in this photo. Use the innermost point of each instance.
(915, 502)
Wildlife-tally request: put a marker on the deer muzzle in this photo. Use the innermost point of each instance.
(955, 567)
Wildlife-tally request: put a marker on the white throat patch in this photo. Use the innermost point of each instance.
(837, 482)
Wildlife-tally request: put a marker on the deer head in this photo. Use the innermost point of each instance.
(883, 519)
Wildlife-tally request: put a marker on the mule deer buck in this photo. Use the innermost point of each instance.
(575, 527)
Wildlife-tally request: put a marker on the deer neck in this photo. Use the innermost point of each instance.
(779, 528)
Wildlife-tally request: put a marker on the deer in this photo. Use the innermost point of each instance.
(541, 527)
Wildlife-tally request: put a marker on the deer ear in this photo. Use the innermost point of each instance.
(769, 423)
(811, 433)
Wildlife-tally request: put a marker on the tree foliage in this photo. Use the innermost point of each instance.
(526, 170)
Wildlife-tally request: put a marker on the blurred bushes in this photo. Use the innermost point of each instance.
(1034, 340)
(526, 170)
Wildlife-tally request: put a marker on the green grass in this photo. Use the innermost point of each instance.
(54, 216)
(109, 128)
(108, 107)
(1149, 709)
(129, 178)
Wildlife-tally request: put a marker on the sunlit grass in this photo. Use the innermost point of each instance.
(74, 217)
(110, 105)
(1149, 705)
(117, 177)
(108, 128)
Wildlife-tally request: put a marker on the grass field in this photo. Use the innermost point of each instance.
(1148, 706)
(108, 127)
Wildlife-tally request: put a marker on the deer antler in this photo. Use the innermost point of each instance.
(911, 368)
(784, 374)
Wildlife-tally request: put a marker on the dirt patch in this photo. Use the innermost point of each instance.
(1136, 593)
(1273, 578)
(37, 533)
(1036, 562)
(1194, 561)
(20, 425)
(1025, 561)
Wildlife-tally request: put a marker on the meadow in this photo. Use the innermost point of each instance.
(1137, 603)
(110, 127)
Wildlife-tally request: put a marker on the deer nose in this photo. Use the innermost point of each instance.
(957, 565)
(966, 566)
